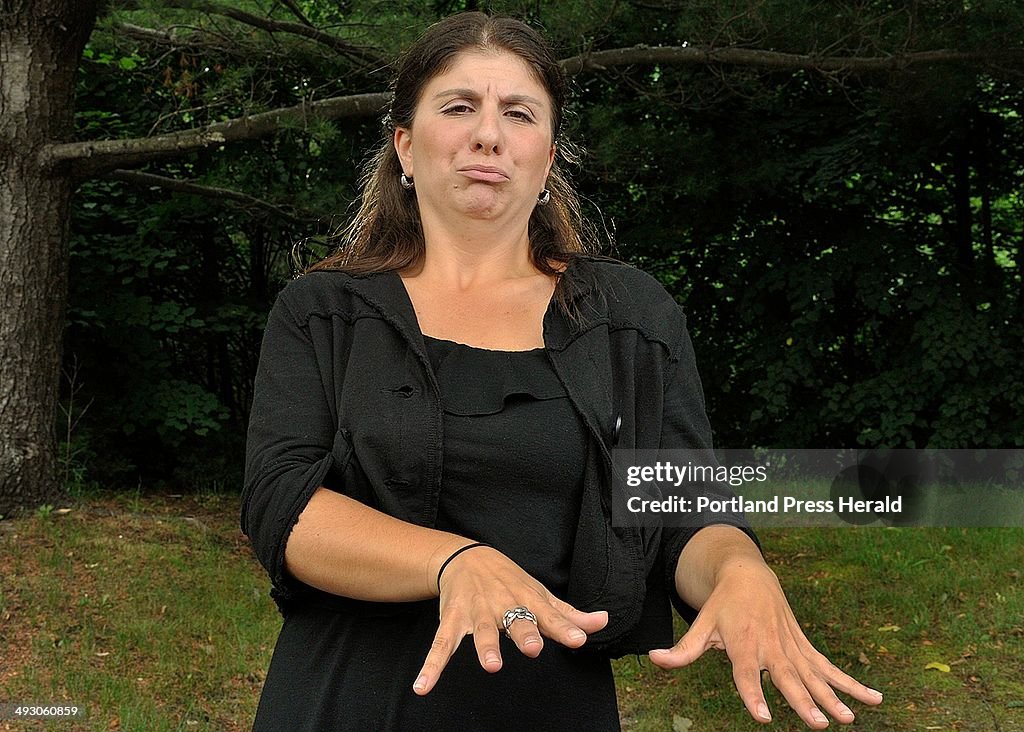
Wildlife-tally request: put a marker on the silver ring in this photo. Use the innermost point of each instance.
(517, 613)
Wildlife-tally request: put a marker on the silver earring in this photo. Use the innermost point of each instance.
(544, 197)
(407, 182)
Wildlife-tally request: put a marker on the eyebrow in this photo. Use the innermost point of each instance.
(470, 94)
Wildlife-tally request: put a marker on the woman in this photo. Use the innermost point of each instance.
(429, 447)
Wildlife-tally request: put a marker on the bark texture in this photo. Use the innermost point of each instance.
(97, 157)
(40, 43)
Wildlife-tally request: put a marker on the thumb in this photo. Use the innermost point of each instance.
(686, 650)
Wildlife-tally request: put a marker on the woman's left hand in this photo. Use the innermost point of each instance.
(747, 615)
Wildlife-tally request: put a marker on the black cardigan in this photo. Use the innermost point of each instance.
(345, 398)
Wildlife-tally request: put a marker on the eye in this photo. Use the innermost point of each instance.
(520, 115)
(457, 109)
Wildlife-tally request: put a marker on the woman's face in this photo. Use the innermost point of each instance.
(480, 144)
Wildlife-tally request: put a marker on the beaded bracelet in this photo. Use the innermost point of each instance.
(454, 554)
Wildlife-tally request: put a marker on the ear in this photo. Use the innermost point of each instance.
(551, 160)
(403, 146)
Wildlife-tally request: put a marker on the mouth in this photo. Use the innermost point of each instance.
(485, 173)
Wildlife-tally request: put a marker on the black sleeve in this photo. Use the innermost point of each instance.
(685, 426)
(289, 444)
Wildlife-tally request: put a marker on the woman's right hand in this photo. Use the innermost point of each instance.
(477, 588)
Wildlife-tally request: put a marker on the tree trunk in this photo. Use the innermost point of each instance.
(40, 44)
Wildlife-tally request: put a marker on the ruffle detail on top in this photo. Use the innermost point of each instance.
(476, 381)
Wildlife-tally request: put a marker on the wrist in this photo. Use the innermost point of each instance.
(450, 544)
(715, 554)
(455, 555)
(744, 568)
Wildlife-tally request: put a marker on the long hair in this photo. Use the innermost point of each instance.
(386, 233)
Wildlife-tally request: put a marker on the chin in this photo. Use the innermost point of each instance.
(482, 207)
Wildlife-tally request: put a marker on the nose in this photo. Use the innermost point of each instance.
(487, 134)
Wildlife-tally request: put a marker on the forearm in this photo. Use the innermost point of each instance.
(344, 547)
(713, 551)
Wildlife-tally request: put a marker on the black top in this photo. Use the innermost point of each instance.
(513, 456)
(513, 462)
(345, 397)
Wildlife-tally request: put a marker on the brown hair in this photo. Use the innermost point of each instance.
(386, 233)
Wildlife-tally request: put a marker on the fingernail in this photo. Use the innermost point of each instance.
(658, 651)
(531, 640)
(577, 634)
(817, 716)
(875, 692)
(763, 713)
(421, 683)
(845, 710)
(492, 657)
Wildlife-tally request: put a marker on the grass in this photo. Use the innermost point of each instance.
(151, 611)
(882, 604)
(152, 614)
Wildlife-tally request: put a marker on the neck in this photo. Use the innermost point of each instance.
(474, 254)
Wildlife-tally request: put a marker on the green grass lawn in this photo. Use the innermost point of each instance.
(152, 612)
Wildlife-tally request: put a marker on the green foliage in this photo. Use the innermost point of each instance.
(810, 228)
(813, 225)
(44, 511)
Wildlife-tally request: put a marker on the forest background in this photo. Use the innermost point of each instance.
(832, 190)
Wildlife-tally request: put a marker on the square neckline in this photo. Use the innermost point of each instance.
(416, 319)
(479, 348)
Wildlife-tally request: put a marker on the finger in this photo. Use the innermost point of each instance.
(588, 622)
(687, 649)
(487, 642)
(826, 697)
(839, 679)
(825, 676)
(527, 637)
(833, 676)
(556, 624)
(787, 679)
(746, 674)
(446, 640)
(558, 629)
